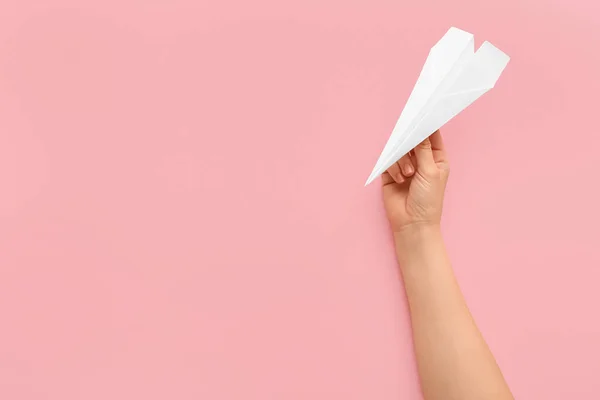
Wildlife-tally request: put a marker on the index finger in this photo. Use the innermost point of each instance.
(437, 145)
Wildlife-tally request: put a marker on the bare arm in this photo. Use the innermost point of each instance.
(453, 360)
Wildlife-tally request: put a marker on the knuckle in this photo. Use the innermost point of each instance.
(425, 144)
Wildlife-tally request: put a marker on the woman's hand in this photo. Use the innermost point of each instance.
(413, 188)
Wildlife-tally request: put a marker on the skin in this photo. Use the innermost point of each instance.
(453, 359)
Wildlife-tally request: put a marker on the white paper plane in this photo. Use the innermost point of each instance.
(453, 77)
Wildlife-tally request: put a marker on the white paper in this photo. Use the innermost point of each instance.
(453, 77)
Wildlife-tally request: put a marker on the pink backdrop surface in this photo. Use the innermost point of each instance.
(183, 215)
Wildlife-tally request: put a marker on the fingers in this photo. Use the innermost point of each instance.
(396, 173)
(402, 169)
(439, 151)
(406, 166)
(437, 142)
(386, 179)
(424, 155)
(429, 157)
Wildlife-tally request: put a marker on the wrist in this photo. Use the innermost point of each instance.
(419, 231)
(416, 241)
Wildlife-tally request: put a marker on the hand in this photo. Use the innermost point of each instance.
(413, 188)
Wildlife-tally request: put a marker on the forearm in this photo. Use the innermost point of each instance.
(453, 359)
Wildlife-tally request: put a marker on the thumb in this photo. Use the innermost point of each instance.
(424, 154)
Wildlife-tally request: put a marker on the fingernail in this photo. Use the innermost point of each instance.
(408, 168)
(399, 178)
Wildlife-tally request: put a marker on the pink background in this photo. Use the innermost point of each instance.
(183, 214)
